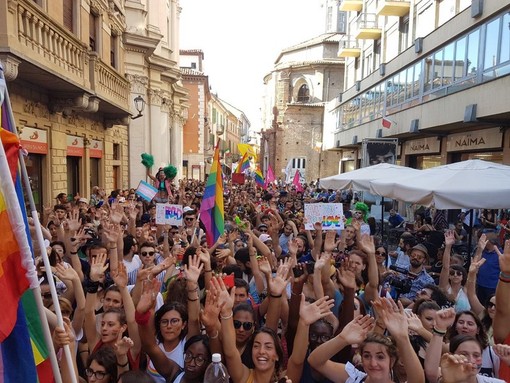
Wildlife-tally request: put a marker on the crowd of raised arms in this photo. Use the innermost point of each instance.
(144, 302)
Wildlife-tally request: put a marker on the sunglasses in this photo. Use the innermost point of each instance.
(247, 326)
(321, 338)
(146, 253)
(455, 272)
(380, 253)
(189, 219)
(490, 305)
(263, 230)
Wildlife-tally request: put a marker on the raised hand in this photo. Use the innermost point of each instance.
(449, 238)
(116, 212)
(356, 330)
(123, 345)
(503, 351)
(366, 244)
(456, 368)
(120, 277)
(504, 259)
(74, 220)
(225, 300)
(278, 283)
(223, 253)
(311, 312)
(445, 318)
(392, 315)
(65, 273)
(264, 266)
(413, 322)
(329, 241)
(293, 247)
(150, 290)
(210, 313)
(346, 276)
(193, 269)
(98, 267)
(474, 267)
(111, 232)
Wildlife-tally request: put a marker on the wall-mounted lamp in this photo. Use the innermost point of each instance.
(139, 105)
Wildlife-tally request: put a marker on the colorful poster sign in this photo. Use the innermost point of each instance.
(330, 215)
(34, 140)
(167, 214)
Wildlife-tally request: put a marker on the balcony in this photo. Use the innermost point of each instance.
(107, 83)
(46, 47)
(397, 8)
(366, 27)
(351, 5)
(349, 48)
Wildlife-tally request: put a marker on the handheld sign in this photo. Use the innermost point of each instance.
(167, 214)
(330, 215)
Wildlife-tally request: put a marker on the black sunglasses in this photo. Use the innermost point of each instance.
(189, 219)
(246, 325)
(455, 272)
(146, 253)
(491, 305)
(380, 253)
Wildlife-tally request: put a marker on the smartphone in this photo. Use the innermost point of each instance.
(228, 280)
(297, 271)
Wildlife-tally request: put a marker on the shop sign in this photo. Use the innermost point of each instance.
(96, 149)
(429, 145)
(34, 140)
(479, 139)
(75, 147)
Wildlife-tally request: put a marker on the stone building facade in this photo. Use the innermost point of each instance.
(64, 66)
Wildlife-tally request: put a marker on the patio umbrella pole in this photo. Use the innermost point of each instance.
(470, 237)
(382, 218)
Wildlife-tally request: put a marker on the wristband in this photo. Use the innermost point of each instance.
(123, 365)
(193, 300)
(142, 318)
(92, 287)
(228, 316)
(504, 275)
(208, 271)
(438, 332)
(215, 336)
(504, 280)
(275, 296)
(74, 252)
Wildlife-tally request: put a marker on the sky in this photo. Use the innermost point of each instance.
(242, 39)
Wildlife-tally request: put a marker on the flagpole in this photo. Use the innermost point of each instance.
(37, 290)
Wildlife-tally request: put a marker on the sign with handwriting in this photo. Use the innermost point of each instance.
(330, 215)
(167, 214)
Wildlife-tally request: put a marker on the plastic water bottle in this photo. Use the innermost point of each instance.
(216, 372)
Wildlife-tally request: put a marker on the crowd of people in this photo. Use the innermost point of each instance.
(147, 302)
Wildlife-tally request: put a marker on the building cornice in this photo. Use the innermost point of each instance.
(139, 43)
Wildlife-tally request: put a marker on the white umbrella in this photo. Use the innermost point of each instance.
(473, 184)
(360, 179)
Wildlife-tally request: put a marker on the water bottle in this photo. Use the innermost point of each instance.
(216, 372)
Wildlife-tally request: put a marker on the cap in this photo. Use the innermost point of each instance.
(216, 358)
(422, 248)
(265, 237)
(186, 209)
(84, 200)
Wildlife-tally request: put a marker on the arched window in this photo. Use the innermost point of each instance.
(303, 94)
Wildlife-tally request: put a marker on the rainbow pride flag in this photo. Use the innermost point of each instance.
(17, 270)
(244, 164)
(259, 178)
(212, 212)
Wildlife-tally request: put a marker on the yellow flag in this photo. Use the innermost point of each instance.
(247, 148)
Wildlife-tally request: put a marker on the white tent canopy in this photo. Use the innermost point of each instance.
(473, 184)
(360, 179)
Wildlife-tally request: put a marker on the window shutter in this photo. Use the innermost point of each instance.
(68, 15)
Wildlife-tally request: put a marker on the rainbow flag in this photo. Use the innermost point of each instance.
(259, 178)
(243, 164)
(17, 270)
(211, 211)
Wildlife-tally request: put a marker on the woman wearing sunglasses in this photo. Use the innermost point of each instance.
(245, 326)
(452, 279)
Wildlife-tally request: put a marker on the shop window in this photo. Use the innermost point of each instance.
(95, 172)
(73, 175)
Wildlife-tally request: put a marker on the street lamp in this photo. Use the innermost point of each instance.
(139, 105)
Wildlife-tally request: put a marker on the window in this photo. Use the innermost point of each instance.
(116, 152)
(93, 34)
(68, 15)
(193, 65)
(113, 50)
(304, 93)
